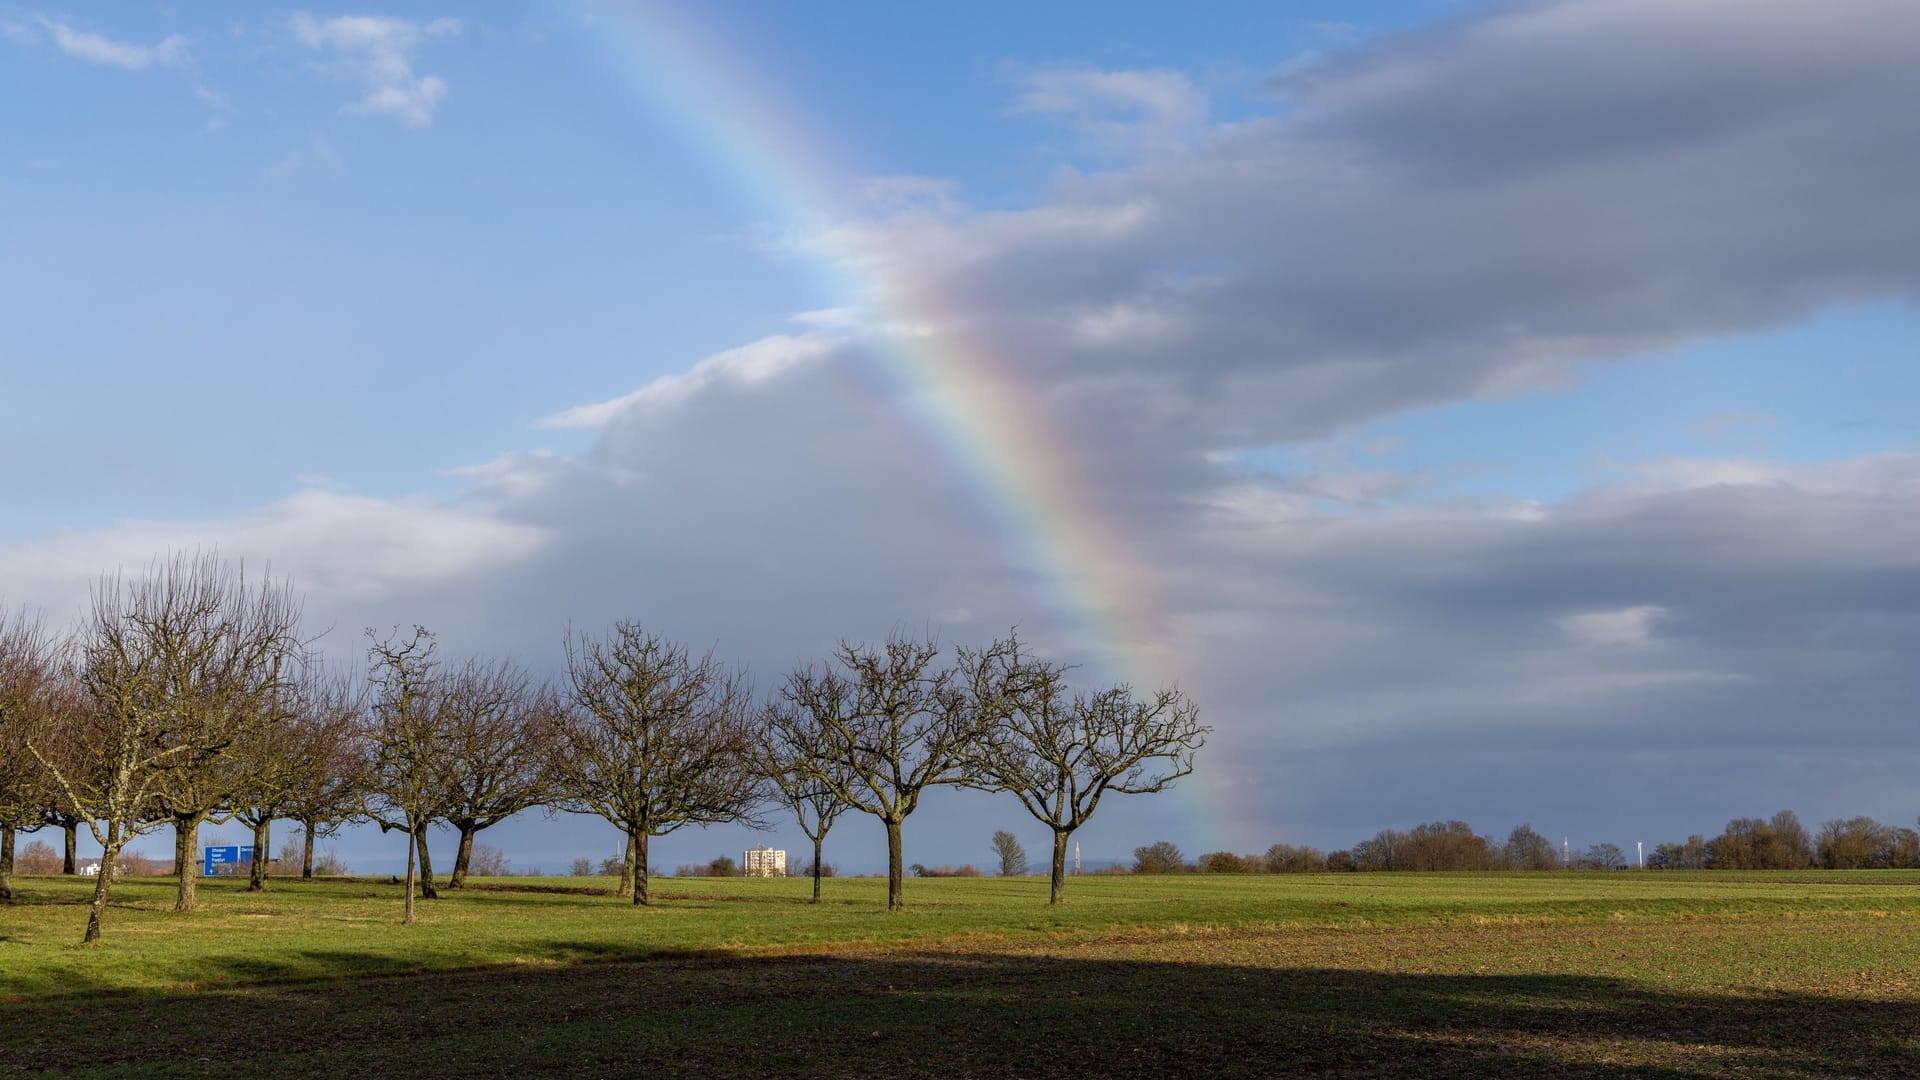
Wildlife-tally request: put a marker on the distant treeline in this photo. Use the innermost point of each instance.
(1777, 843)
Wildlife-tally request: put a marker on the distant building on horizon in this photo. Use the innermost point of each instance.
(764, 862)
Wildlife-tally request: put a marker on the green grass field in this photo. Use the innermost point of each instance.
(1596, 974)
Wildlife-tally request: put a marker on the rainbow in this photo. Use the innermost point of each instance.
(968, 403)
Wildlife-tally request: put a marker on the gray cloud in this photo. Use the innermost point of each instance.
(1462, 211)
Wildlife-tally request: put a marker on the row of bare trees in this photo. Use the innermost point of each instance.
(149, 714)
(189, 695)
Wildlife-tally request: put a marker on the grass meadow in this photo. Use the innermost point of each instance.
(1574, 974)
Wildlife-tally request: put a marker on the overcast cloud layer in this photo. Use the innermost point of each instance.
(1461, 211)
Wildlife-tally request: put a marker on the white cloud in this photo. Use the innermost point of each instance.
(1621, 627)
(170, 51)
(747, 364)
(379, 52)
(834, 318)
(514, 476)
(1156, 111)
(351, 549)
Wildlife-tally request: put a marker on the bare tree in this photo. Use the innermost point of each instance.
(1780, 843)
(27, 660)
(177, 663)
(1294, 859)
(655, 740)
(1013, 857)
(56, 816)
(220, 652)
(1061, 752)
(1159, 857)
(493, 732)
(401, 734)
(881, 726)
(1605, 857)
(1528, 850)
(1853, 844)
(329, 788)
(790, 758)
(57, 737)
(291, 753)
(490, 861)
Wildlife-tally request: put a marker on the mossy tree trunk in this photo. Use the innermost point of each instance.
(262, 846)
(6, 861)
(896, 892)
(427, 891)
(1058, 892)
(186, 832)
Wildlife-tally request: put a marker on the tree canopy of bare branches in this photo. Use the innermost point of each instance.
(218, 653)
(330, 789)
(879, 725)
(401, 732)
(493, 763)
(302, 747)
(27, 673)
(790, 757)
(654, 739)
(1061, 752)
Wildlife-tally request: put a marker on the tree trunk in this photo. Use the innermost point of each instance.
(69, 868)
(411, 834)
(817, 842)
(306, 855)
(637, 844)
(427, 891)
(108, 855)
(262, 844)
(1059, 891)
(6, 862)
(461, 857)
(895, 894)
(186, 830)
(626, 868)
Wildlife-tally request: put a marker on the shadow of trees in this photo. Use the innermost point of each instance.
(968, 1013)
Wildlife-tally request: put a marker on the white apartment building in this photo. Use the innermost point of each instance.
(764, 862)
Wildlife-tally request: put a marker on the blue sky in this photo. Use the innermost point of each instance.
(1440, 367)
(1831, 387)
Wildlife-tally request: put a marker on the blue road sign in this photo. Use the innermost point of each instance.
(216, 856)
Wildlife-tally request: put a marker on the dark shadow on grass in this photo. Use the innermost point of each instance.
(937, 1013)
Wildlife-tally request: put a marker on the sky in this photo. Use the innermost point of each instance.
(1488, 411)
